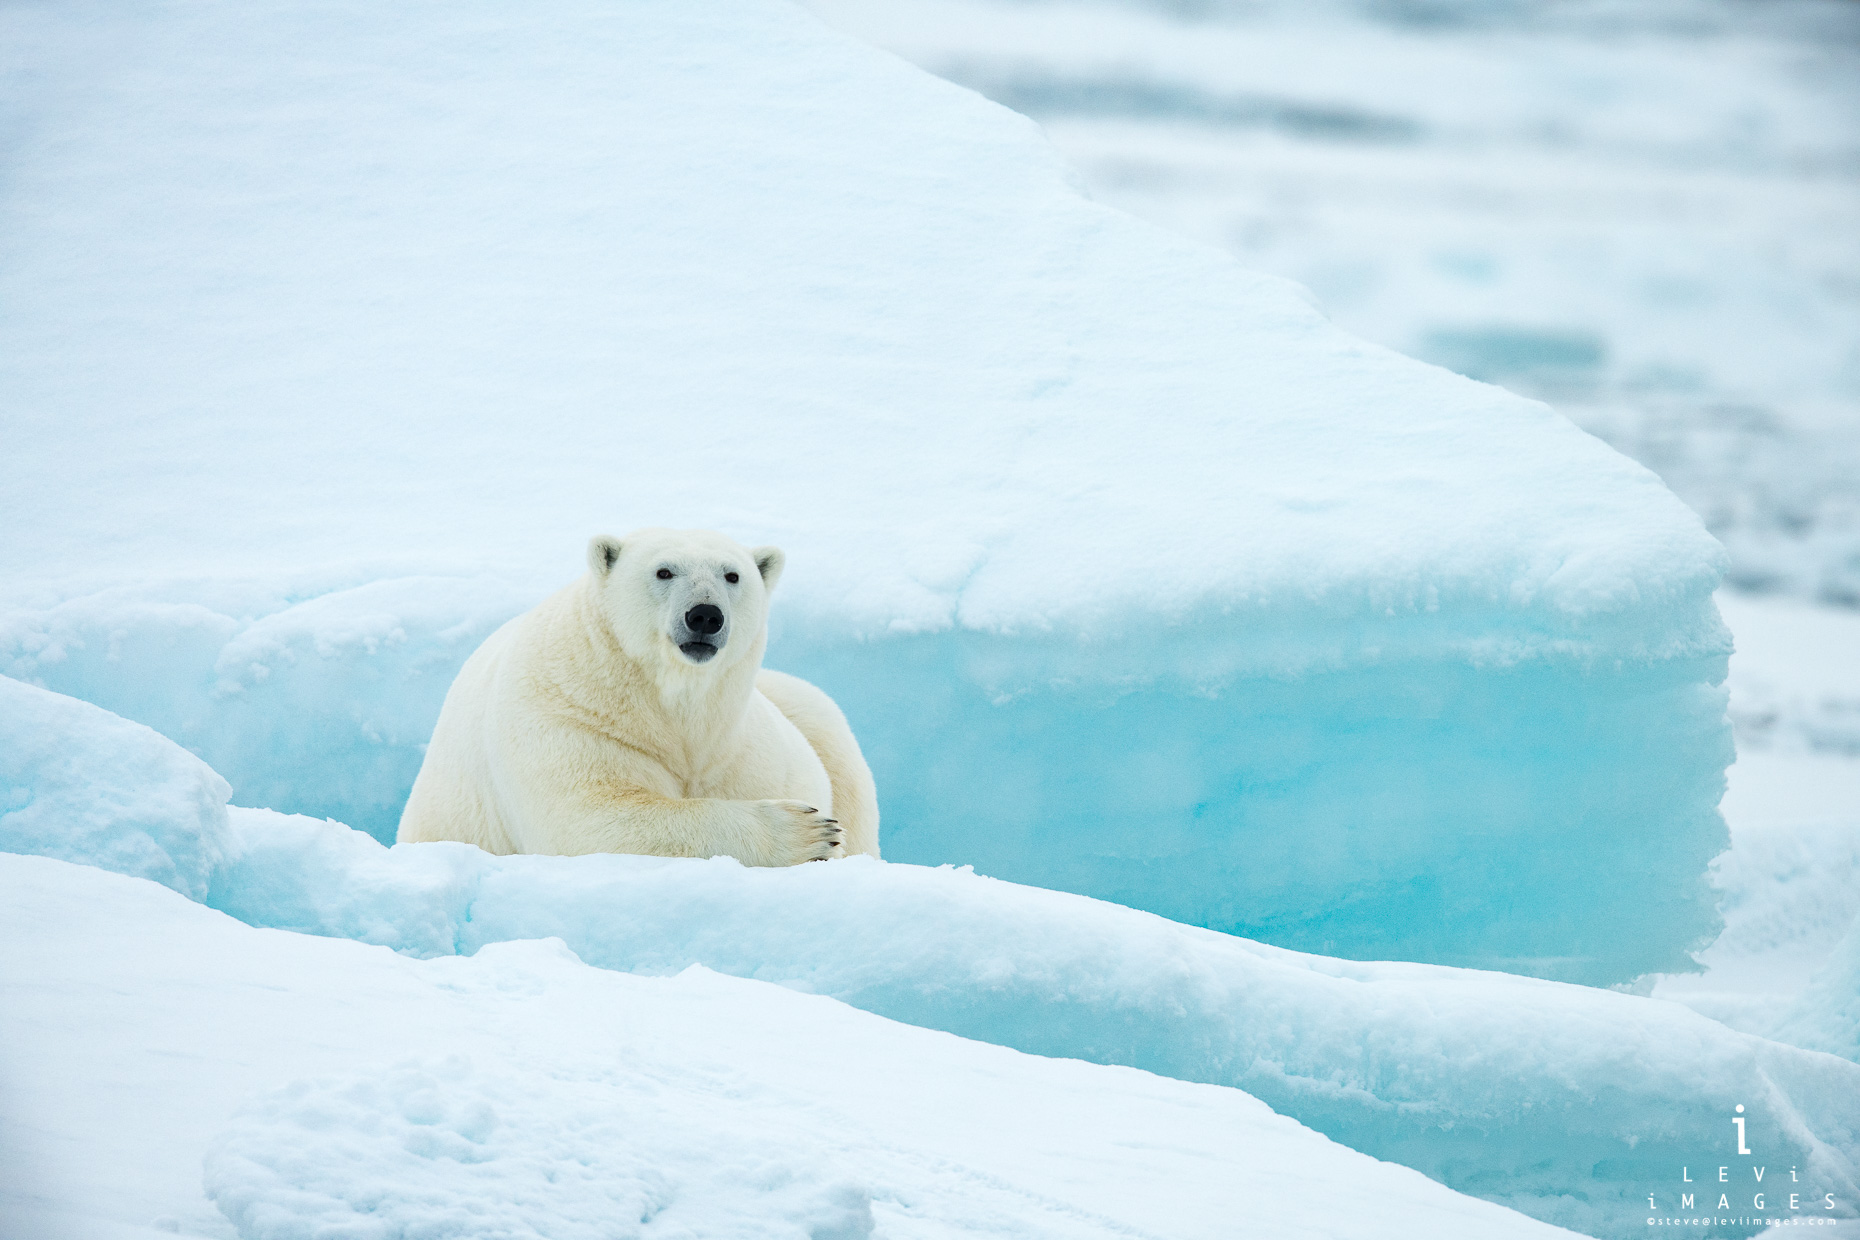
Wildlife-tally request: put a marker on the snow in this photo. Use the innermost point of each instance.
(1564, 1102)
(1789, 887)
(463, 1150)
(341, 328)
(1641, 212)
(469, 242)
(1791, 880)
(1797, 686)
(522, 1087)
(80, 783)
(1491, 1083)
(338, 328)
(1826, 1016)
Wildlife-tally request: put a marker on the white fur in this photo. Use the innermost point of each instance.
(581, 726)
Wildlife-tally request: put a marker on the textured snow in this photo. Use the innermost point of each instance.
(448, 1148)
(335, 1089)
(82, 784)
(340, 327)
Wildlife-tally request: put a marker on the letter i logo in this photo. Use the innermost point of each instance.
(1738, 1119)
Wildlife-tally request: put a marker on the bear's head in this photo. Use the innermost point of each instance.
(690, 598)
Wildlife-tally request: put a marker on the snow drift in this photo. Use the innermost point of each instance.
(340, 327)
(81, 784)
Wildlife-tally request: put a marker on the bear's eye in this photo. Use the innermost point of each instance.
(731, 578)
(665, 574)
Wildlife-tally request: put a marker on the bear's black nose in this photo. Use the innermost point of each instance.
(704, 619)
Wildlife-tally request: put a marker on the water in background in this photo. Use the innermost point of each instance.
(1645, 213)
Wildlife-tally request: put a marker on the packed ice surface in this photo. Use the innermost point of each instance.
(338, 328)
(334, 1088)
(80, 783)
(1640, 210)
(1564, 1102)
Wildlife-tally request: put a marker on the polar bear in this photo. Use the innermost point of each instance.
(630, 712)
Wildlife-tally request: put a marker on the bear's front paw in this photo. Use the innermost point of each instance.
(803, 833)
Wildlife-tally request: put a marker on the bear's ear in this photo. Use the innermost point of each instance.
(769, 562)
(603, 553)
